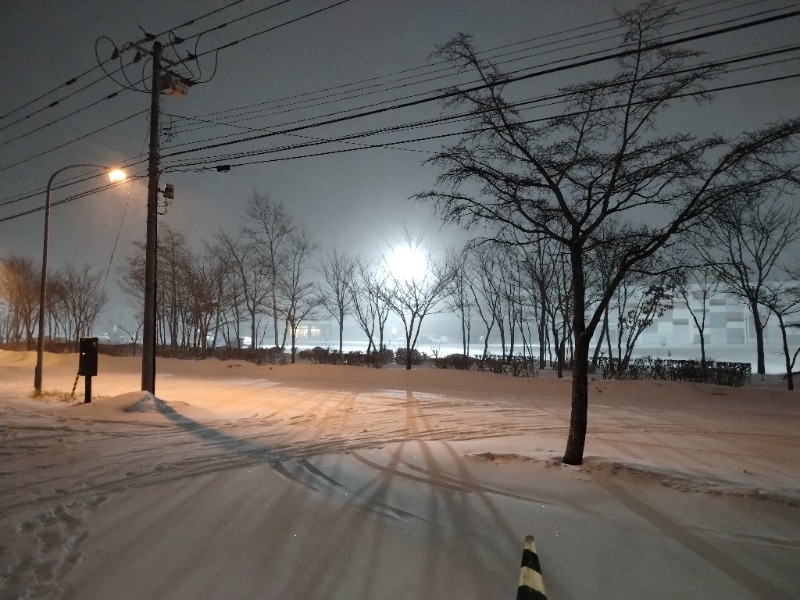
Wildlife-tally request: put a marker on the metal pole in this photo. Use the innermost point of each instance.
(149, 325)
(37, 374)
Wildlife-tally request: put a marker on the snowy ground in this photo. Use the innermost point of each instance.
(309, 481)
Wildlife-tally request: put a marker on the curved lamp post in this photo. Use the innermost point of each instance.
(114, 175)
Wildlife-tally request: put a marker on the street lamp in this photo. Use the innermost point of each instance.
(114, 175)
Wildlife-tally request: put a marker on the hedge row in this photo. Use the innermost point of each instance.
(259, 356)
(326, 356)
(732, 374)
(518, 366)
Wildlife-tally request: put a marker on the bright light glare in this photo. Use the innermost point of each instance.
(407, 263)
(116, 175)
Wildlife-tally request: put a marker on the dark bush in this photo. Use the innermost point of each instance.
(454, 361)
(492, 363)
(326, 356)
(524, 366)
(518, 366)
(417, 357)
(323, 356)
(384, 356)
(259, 356)
(646, 367)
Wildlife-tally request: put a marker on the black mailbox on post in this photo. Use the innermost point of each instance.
(87, 363)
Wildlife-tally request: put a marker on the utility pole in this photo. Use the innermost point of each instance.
(151, 247)
(169, 82)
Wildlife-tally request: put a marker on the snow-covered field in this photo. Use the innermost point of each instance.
(310, 481)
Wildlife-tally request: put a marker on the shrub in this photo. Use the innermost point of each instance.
(326, 356)
(646, 367)
(259, 356)
(454, 361)
(417, 357)
(323, 356)
(524, 366)
(492, 363)
(518, 366)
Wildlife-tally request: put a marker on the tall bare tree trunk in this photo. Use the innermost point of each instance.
(576, 440)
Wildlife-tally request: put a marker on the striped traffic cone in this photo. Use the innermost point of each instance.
(531, 584)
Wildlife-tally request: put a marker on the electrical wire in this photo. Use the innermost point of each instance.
(273, 28)
(83, 194)
(227, 167)
(132, 85)
(122, 219)
(550, 100)
(73, 140)
(513, 79)
(572, 30)
(59, 119)
(183, 168)
(393, 107)
(74, 79)
(433, 74)
(232, 21)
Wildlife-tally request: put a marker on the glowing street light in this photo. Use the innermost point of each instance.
(114, 175)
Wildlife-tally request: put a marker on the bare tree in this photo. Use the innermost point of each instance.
(337, 274)
(19, 289)
(557, 302)
(745, 244)
(269, 228)
(484, 286)
(697, 285)
(247, 281)
(458, 300)
(202, 277)
(783, 299)
(6, 320)
(369, 308)
(539, 268)
(131, 280)
(81, 297)
(639, 300)
(412, 298)
(603, 160)
(174, 256)
(298, 297)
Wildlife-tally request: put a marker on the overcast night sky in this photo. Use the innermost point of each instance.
(358, 55)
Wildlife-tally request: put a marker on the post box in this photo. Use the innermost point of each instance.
(87, 362)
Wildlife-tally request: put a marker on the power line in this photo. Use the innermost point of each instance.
(287, 131)
(74, 79)
(429, 99)
(83, 194)
(514, 79)
(273, 28)
(227, 167)
(236, 20)
(182, 167)
(72, 141)
(433, 74)
(147, 38)
(460, 117)
(572, 30)
(383, 102)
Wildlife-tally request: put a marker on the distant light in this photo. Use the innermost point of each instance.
(116, 175)
(407, 263)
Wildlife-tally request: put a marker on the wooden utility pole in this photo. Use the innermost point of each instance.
(149, 326)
